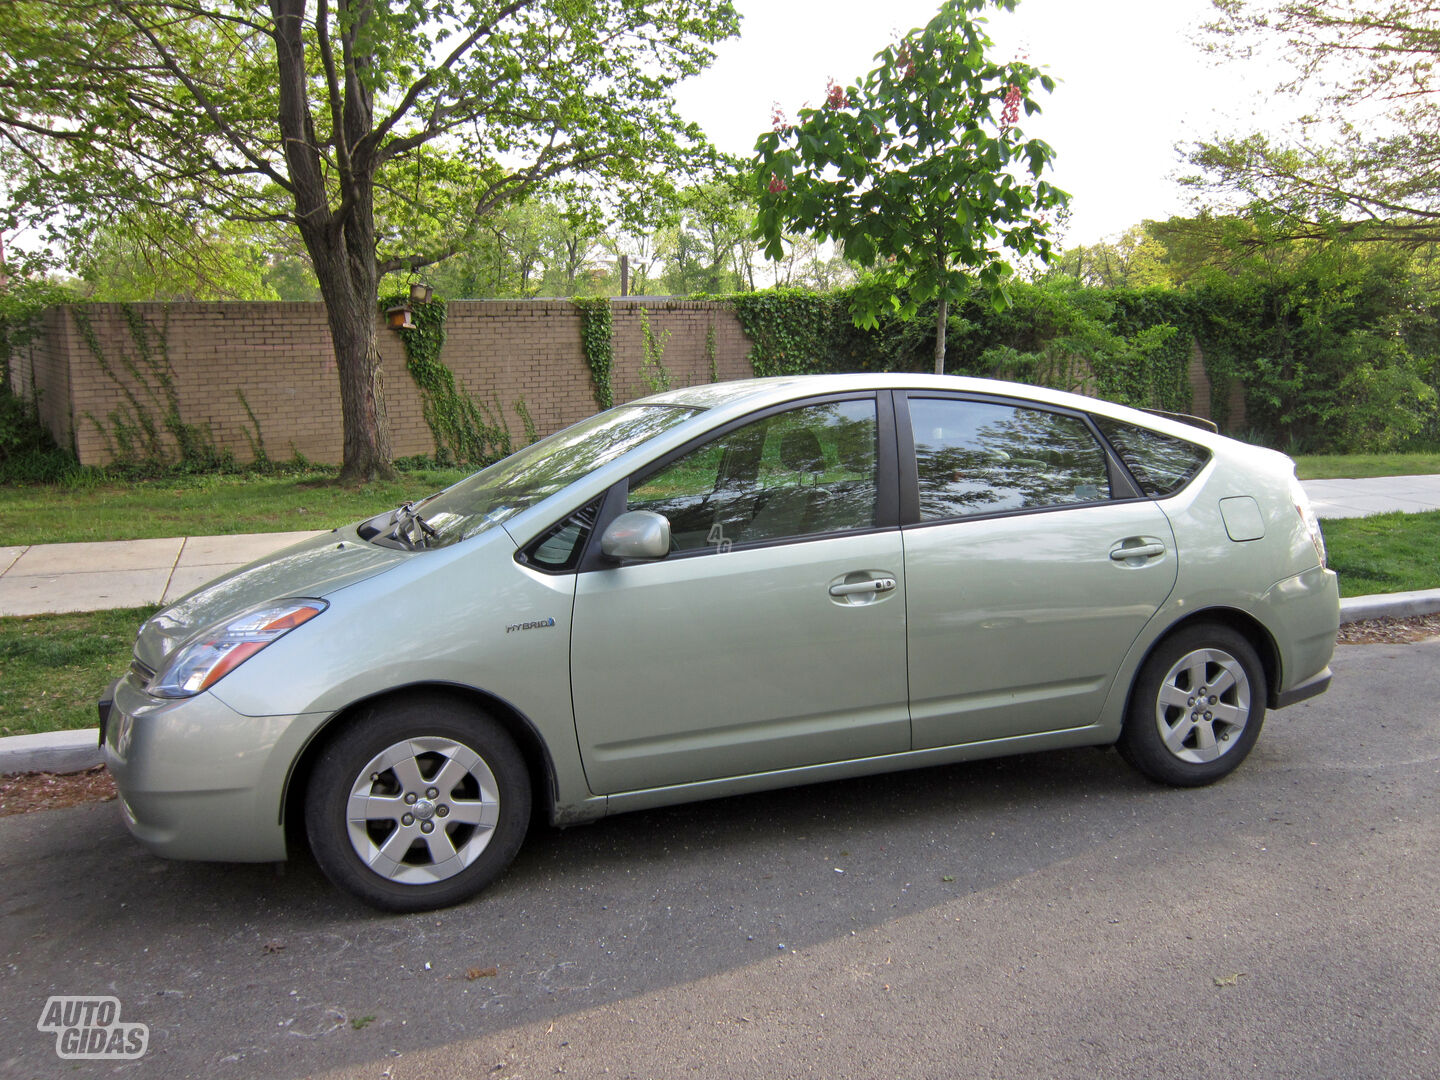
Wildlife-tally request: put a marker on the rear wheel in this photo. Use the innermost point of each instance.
(1196, 708)
(419, 804)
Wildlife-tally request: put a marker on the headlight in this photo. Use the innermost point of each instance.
(199, 664)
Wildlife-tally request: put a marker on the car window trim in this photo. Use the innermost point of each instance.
(1123, 488)
(887, 514)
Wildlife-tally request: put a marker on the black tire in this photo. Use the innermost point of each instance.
(1175, 734)
(396, 758)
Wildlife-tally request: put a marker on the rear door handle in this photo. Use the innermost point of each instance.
(854, 588)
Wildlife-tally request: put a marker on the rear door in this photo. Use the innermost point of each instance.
(1032, 565)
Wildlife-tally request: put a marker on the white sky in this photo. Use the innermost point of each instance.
(1133, 83)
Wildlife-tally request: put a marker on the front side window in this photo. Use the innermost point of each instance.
(976, 457)
(802, 472)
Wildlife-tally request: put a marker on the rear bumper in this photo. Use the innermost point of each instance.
(1312, 687)
(1303, 614)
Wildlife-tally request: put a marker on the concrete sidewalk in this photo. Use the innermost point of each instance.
(48, 578)
(1377, 495)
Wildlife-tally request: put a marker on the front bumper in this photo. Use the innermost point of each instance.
(198, 780)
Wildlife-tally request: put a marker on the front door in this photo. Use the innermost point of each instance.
(773, 636)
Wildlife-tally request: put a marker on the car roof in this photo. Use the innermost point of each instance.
(744, 395)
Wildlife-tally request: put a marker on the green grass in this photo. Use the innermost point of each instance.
(201, 505)
(53, 668)
(1359, 466)
(1385, 553)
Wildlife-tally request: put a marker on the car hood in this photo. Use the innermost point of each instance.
(312, 568)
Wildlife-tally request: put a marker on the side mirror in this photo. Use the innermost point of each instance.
(637, 534)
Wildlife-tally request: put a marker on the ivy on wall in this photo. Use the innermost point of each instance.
(466, 431)
(597, 338)
(711, 352)
(792, 331)
(652, 355)
(1132, 346)
(28, 452)
(134, 436)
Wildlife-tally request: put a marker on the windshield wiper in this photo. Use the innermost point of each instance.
(409, 528)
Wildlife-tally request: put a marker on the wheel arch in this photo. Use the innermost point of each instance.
(516, 724)
(1244, 624)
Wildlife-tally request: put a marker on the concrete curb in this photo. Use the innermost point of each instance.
(1390, 605)
(51, 751)
(76, 751)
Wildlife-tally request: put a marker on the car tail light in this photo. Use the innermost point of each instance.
(1307, 515)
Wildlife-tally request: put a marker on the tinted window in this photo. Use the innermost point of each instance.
(981, 458)
(797, 473)
(1161, 464)
(559, 548)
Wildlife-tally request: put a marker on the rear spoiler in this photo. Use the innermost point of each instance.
(1186, 418)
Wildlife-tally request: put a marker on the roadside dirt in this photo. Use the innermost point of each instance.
(22, 792)
(1390, 631)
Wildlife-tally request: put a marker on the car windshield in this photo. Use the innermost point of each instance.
(524, 478)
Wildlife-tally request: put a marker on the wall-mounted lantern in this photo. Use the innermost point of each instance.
(420, 293)
(398, 317)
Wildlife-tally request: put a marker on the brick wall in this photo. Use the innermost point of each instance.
(39, 367)
(1200, 391)
(279, 357)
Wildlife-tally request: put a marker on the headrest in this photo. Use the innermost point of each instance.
(800, 450)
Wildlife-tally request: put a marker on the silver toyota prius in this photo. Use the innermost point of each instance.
(719, 590)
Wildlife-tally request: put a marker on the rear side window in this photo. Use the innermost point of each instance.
(1161, 464)
(976, 457)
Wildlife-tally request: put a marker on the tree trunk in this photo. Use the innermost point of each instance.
(340, 243)
(365, 423)
(349, 287)
(942, 316)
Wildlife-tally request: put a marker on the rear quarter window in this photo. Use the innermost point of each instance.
(1161, 464)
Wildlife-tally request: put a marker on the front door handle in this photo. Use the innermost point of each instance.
(1140, 551)
(854, 588)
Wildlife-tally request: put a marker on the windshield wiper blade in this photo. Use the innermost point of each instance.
(409, 528)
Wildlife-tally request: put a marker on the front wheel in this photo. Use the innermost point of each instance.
(1196, 708)
(419, 804)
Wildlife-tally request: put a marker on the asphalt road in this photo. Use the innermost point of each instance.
(1046, 916)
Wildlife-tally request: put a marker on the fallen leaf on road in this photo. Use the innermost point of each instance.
(1228, 980)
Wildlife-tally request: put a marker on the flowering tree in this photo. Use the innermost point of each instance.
(920, 171)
